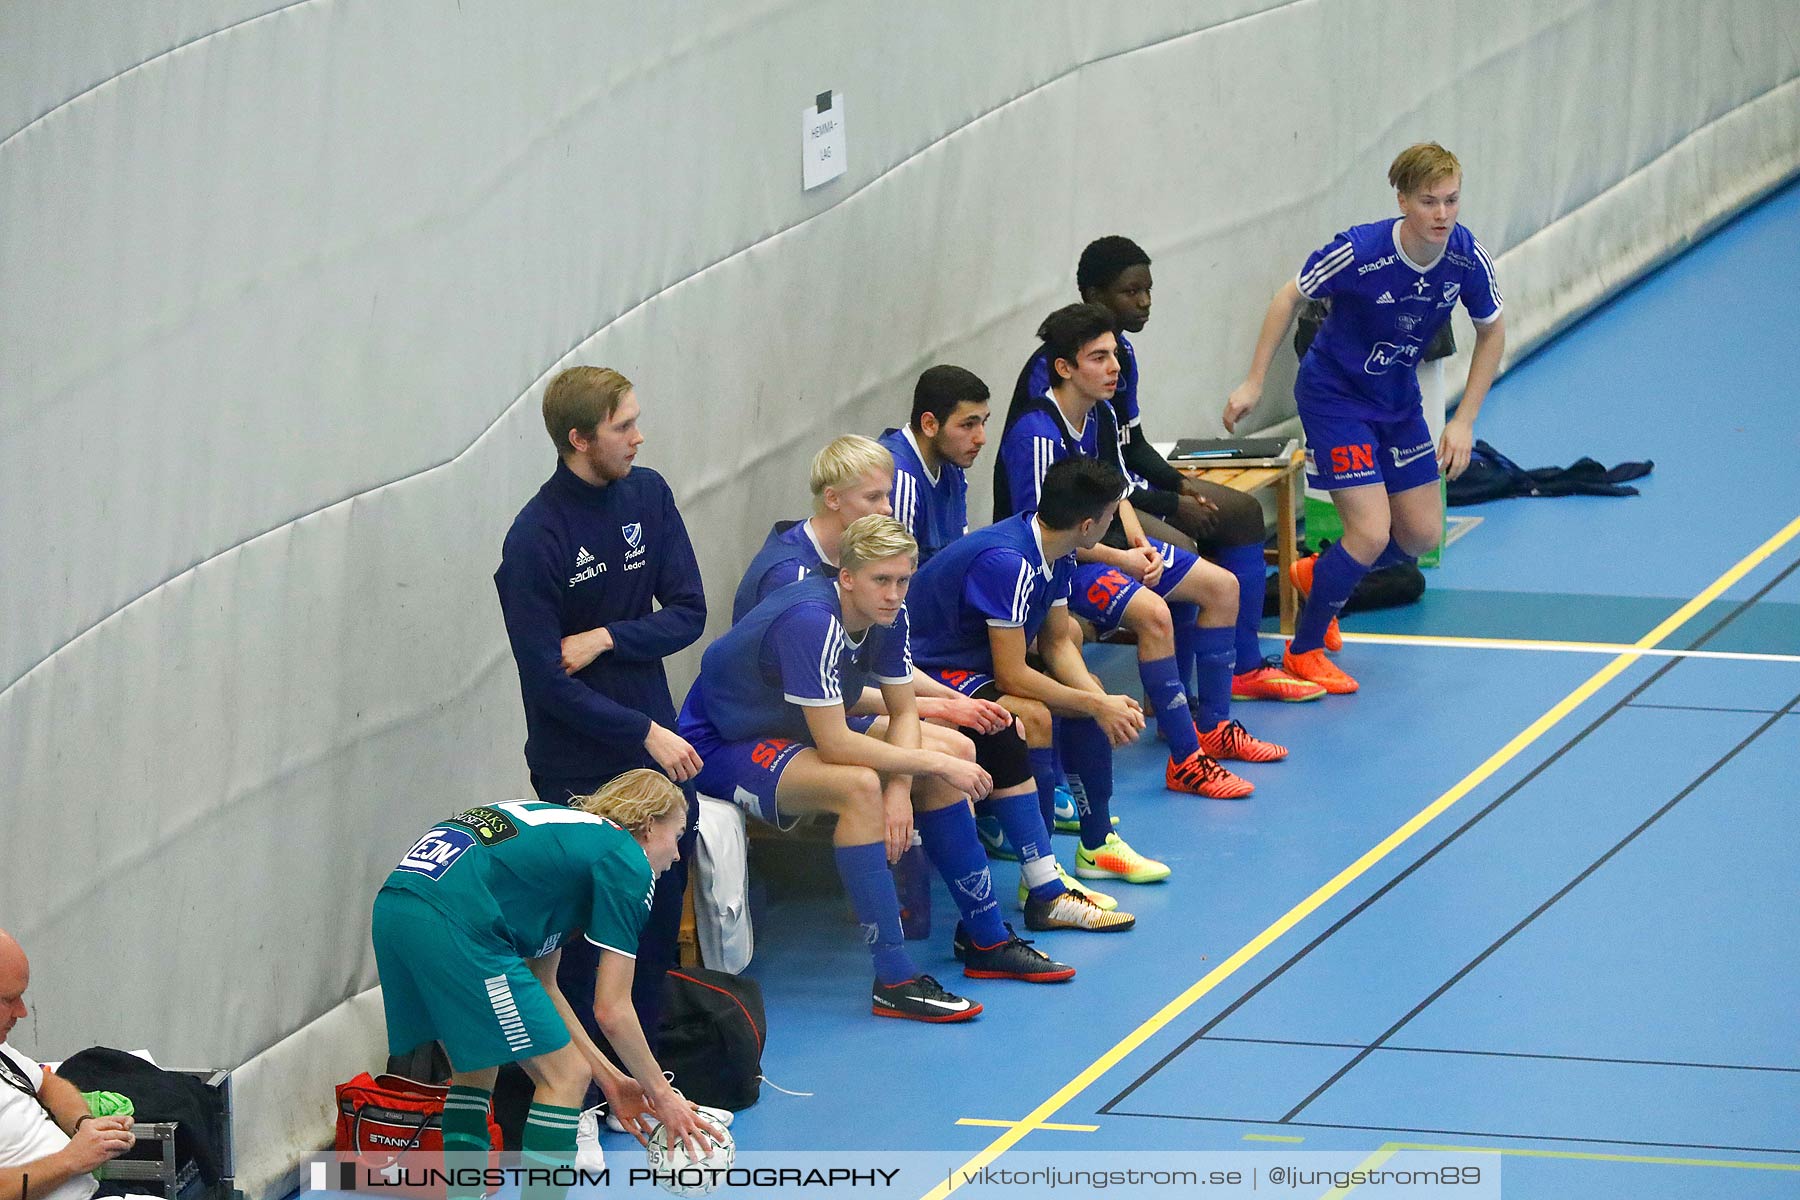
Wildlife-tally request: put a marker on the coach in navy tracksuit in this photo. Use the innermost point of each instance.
(587, 563)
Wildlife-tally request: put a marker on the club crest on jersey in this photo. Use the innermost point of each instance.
(1450, 291)
(634, 538)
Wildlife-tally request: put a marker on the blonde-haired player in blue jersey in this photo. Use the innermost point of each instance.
(1391, 284)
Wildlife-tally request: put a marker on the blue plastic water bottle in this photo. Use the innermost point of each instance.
(912, 882)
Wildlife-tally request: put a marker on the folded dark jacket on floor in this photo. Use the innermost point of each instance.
(1493, 476)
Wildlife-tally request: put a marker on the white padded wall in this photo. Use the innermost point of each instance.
(283, 283)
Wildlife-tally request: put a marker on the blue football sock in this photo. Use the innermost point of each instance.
(1163, 689)
(954, 849)
(1059, 779)
(870, 884)
(1246, 562)
(1019, 816)
(1334, 578)
(1212, 695)
(1392, 556)
(1090, 759)
(1183, 616)
(1045, 773)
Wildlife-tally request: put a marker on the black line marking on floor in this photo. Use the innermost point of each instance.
(1545, 907)
(1366, 903)
(1624, 1062)
(1705, 708)
(1468, 1133)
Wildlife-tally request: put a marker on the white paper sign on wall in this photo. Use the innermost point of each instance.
(822, 153)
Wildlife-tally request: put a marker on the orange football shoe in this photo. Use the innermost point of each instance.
(1315, 666)
(1199, 775)
(1301, 574)
(1270, 682)
(1229, 739)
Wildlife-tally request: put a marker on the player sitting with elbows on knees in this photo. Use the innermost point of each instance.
(1222, 525)
(1162, 593)
(981, 605)
(767, 716)
(853, 477)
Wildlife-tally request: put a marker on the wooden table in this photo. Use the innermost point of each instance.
(1287, 482)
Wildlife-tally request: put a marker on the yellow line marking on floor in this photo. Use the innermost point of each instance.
(1389, 1149)
(1656, 1160)
(1272, 1137)
(1378, 1158)
(1262, 941)
(1044, 1125)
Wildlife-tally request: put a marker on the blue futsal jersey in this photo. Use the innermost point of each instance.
(788, 555)
(934, 510)
(1384, 310)
(1040, 437)
(1124, 398)
(791, 652)
(993, 577)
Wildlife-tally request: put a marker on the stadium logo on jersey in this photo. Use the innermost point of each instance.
(1386, 354)
(582, 558)
(1379, 263)
(1450, 291)
(489, 824)
(436, 852)
(977, 885)
(588, 572)
(1385, 298)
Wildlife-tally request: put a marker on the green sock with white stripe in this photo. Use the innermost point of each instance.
(465, 1120)
(548, 1142)
(466, 1133)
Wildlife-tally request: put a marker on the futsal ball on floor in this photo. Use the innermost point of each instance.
(685, 1176)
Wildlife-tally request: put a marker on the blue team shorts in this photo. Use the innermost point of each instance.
(747, 772)
(1100, 593)
(440, 982)
(978, 685)
(1345, 451)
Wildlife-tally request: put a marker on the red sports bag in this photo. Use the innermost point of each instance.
(383, 1117)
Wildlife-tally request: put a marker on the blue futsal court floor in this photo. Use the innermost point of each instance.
(1531, 900)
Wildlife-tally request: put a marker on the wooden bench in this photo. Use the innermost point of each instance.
(1287, 482)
